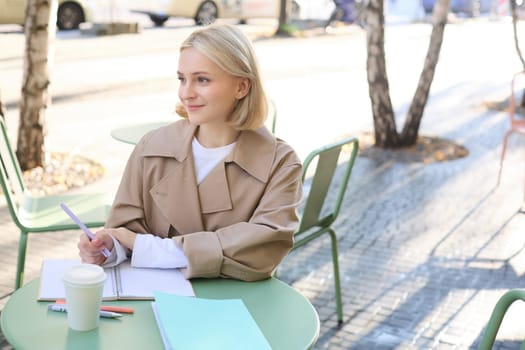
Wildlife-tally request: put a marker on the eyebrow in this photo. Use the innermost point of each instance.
(195, 73)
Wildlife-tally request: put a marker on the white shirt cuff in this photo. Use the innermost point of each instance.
(156, 252)
(119, 253)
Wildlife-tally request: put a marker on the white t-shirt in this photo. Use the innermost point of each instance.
(207, 158)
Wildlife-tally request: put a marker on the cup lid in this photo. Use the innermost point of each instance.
(84, 274)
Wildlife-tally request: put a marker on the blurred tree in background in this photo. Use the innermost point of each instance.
(40, 28)
(385, 130)
(285, 7)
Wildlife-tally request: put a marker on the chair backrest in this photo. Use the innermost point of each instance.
(10, 173)
(324, 161)
(496, 318)
(272, 113)
(271, 116)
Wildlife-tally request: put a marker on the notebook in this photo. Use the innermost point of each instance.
(122, 282)
(197, 323)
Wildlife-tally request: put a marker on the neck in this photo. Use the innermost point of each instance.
(210, 137)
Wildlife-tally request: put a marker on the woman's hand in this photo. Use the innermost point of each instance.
(91, 251)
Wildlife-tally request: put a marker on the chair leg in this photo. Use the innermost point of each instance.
(20, 265)
(337, 280)
(502, 157)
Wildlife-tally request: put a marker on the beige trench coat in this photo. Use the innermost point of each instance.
(239, 222)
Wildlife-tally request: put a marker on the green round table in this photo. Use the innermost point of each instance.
(286, 318)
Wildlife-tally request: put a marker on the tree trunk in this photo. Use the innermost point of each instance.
(282, 27)
(384, 122)
(385, 131)
(513, 11)
(40, 27)
(410, 131)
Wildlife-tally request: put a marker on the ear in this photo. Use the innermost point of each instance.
(243, 87)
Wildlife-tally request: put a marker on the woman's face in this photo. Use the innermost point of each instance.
(207, 92)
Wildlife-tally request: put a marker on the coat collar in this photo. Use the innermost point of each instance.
(254, 151)
(157, 142)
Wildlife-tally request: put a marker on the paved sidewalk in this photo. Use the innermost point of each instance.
(425, 249)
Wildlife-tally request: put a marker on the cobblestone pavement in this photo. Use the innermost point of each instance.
(425, 249)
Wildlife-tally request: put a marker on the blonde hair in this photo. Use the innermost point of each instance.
(228, 47)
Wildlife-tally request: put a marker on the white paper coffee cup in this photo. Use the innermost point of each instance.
(83, 285)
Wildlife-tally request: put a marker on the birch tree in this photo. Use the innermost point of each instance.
(385, 129)
(40, 28)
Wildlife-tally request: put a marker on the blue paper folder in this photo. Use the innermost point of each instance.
(189, 323)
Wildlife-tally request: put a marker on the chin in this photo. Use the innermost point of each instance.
(196, 121)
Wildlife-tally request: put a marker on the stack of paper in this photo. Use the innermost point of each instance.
(188, 323)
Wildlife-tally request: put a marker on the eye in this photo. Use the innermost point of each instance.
(203, 80)
(181, 78)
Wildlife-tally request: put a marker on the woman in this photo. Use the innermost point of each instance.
(215, 193)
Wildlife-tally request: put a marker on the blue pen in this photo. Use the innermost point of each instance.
(80, 224)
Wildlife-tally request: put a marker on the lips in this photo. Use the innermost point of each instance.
(193, 108)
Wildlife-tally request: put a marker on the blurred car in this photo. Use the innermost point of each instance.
(470, 8)
(205, 11)
(69, 16)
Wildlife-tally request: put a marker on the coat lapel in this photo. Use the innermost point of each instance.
(176, 198)
(174, 194)
(214, 191)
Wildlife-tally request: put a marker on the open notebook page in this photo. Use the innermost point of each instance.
(136, 283)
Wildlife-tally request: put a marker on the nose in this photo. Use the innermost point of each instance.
(186, 91)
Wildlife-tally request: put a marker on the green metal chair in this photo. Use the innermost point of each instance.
(42, 214)
(497, 317)
(321, 209)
